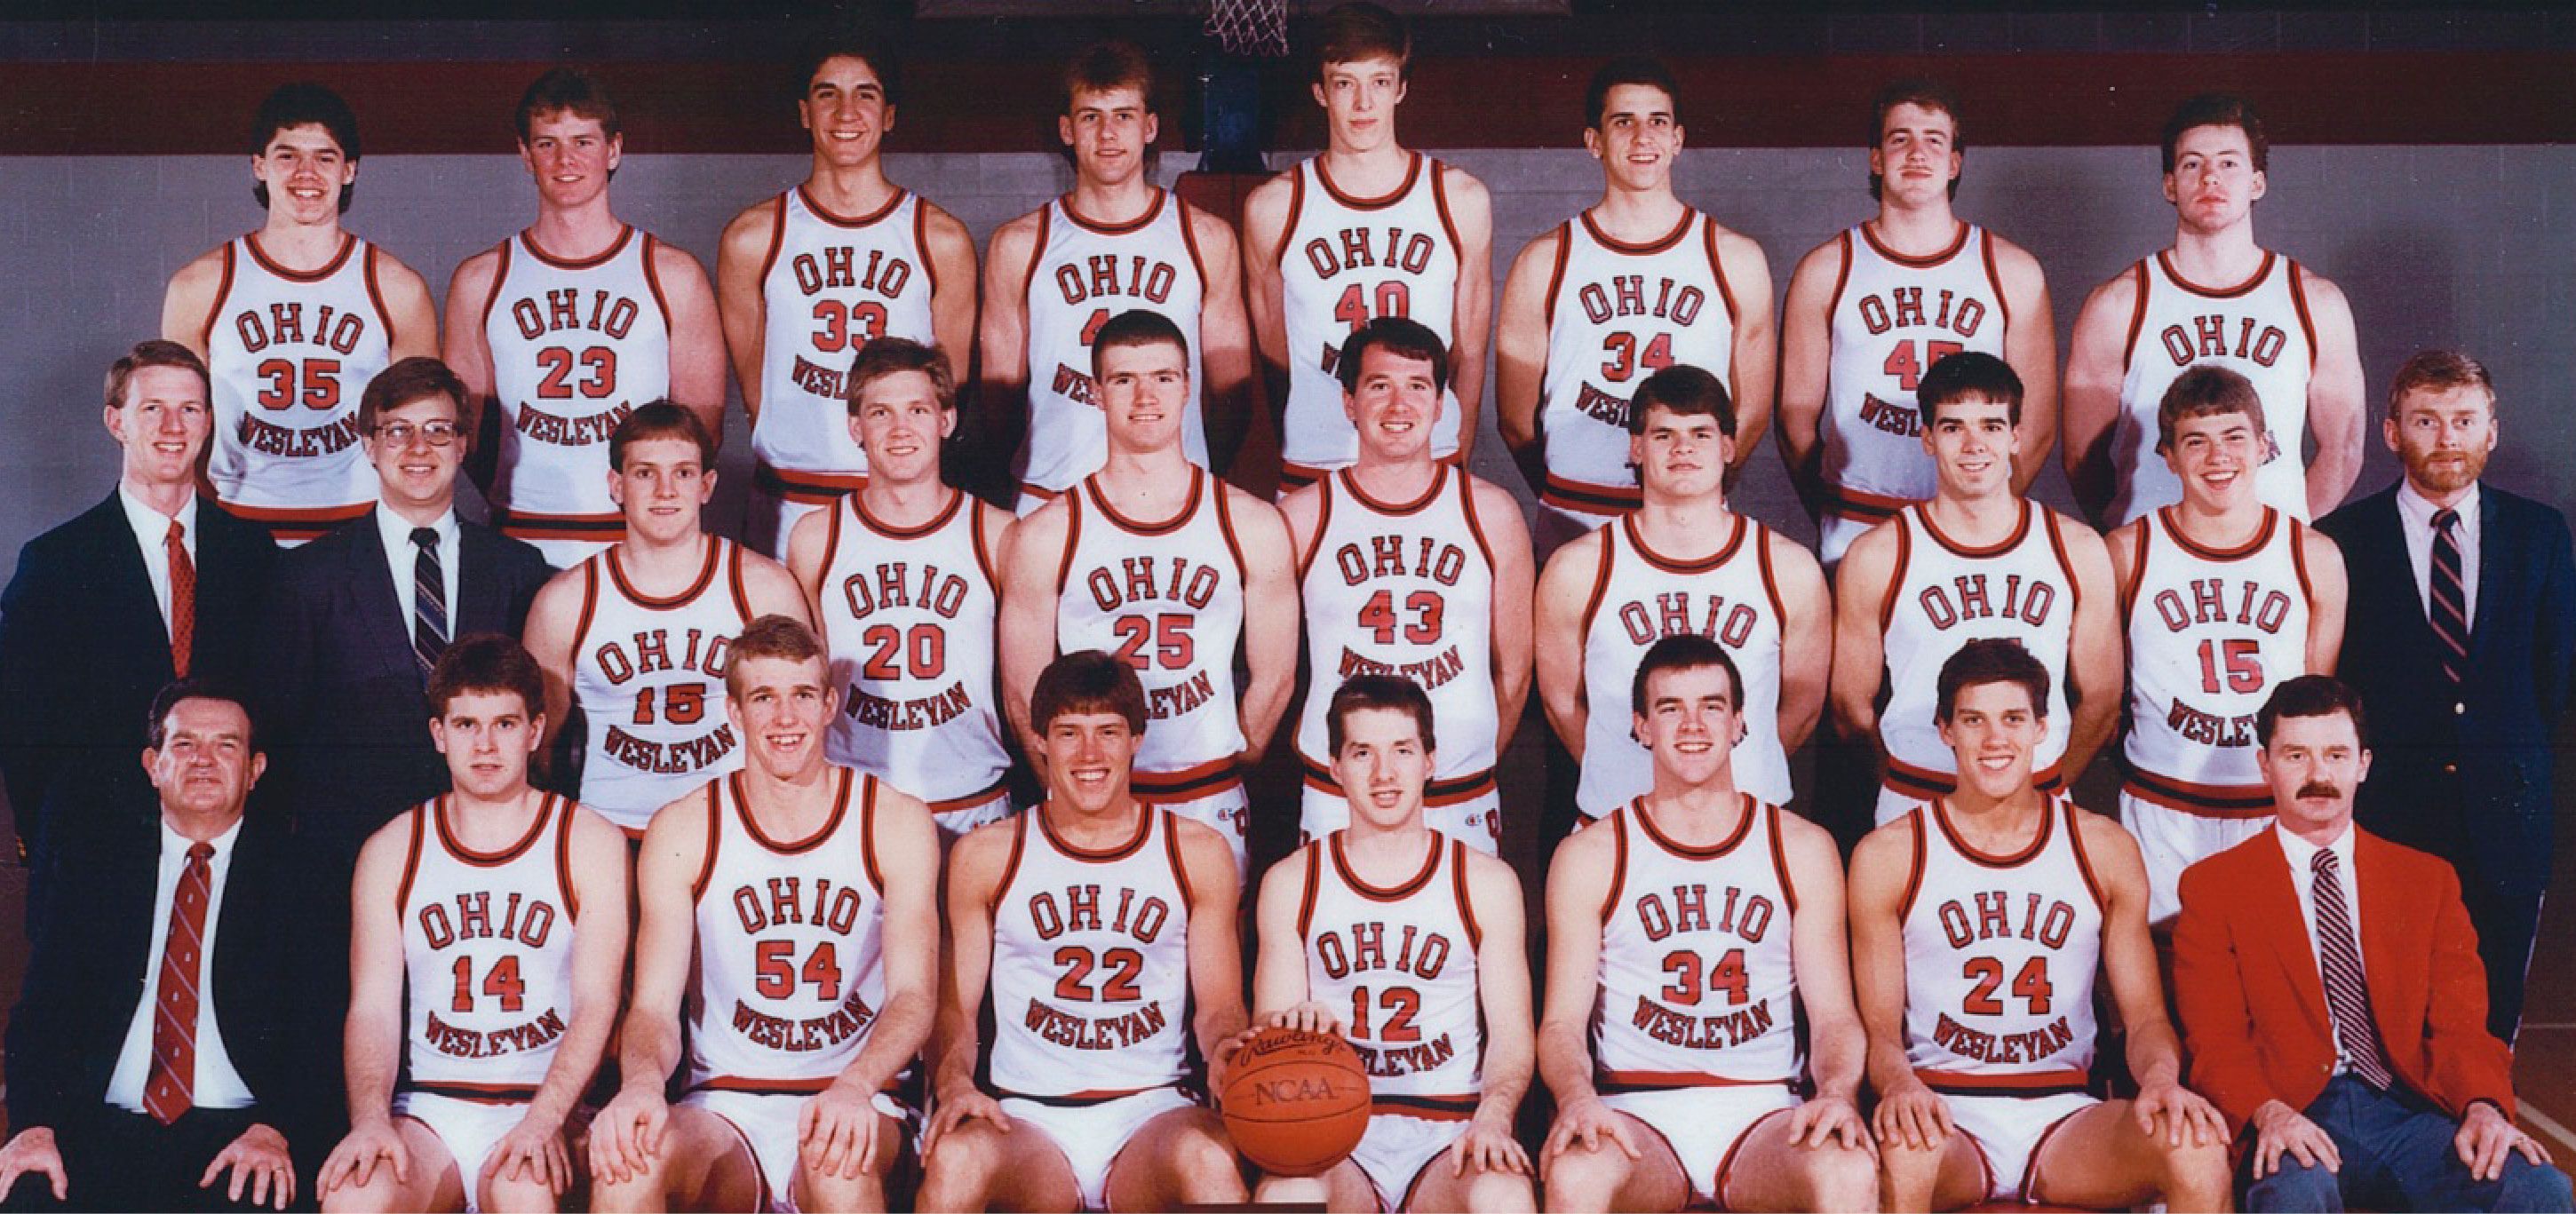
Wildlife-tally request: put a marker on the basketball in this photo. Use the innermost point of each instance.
(1295, 1102)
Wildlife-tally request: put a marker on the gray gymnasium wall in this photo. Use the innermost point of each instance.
(2473, 247)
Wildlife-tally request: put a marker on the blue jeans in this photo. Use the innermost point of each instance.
(2397, 1154)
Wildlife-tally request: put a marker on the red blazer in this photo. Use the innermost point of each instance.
(2254, 1009)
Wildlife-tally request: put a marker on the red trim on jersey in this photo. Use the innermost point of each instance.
(1958, 241)
(339, 257)
(1556, 276)
(1641, 248)
(2262, 536)
(1726, 1162)
(2083, 863)
(1887, 604)
(1298, 476)
(983, 558)
(807, 488)
(2020, 531)
(831, 547)
(1187, 784)
(1439, 480)
(956, 498)
(589, 602)
(1583, 497)
(751, 821)
(2057, 546)
(1717, 266)
(1675, 565)
(2299, 301)
(1104, 228)
(1437, 794)
(1011, 861)
(777, 238)
(1145, 815)
(1440, 203)
(1618, 824)
(1914, 868)
(715, 841)
(1296, 204)
(457, 849)
(411, 859)
(972, 800)
(1306, 898)
(564, 886)
(1072, 538)
(1665, 1081)
(525, 525)
(376, 295)
(2299, 561)
(2028, 1083)
(296, 522)
(1188, 510)
(921, 245)
(1412, 174)
(500, 275)
(1458, 885)
(2038, 840)
(1842, 276)
(1995, 277)
(1190, 240)
(2225, 801)
(1779, 855)
(706, 577)
(827, 215)
(2164, 261)
(1225, 527)
(867, 828)
(1172, 852)
(1860, 505)
(653, 281)
(738, 1083)
(1770, 582)
(1084, 1099)
(1924, 784)
(1427, 1108)
(477, 1093)
(733, 576)
(1037, 253)
(1600, 583)
(625, 232)
(1385, 893)
(2137, 318)
(1475, 526)
(2137, 573)
(1712, 851)
(223, 291)
(1323, 524)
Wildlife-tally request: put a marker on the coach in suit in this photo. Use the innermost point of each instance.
(2468, 596)
(2332, 999)
(362, 613)
(153, 583)
(163, 1033)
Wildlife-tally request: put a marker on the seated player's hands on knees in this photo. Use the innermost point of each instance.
(836, 1134)
(33, 1153)
(532, 1153)
(1488, 1146)
(2280, 1129)
(371, 1143)
(2189, 1119)
(1826, 1118)
(2485, 1138)
(627, 1134)
(959, 1104)
(1913, 1116)
(1586, 1123)
(260, 1166)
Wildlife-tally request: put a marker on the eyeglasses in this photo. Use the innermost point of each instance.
(400, 434)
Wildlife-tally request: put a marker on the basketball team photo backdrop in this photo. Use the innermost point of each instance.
(2420, 160)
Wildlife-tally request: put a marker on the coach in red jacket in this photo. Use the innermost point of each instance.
(2332, 998)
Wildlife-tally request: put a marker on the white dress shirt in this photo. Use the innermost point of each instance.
(401, 555)
(2415, 518)
(152, 533)
(2303, 856)
(218, 1085)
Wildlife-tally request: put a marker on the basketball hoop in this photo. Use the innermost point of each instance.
(1250, 28)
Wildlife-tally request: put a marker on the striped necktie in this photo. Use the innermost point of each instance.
(2339, 958)
(2450, 616)
(428, 601)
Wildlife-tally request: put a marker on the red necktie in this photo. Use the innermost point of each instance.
(183, 600)
(171, 1089)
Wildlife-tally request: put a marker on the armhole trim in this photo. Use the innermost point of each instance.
(1190, 240)
(411, 858)
(1618, 823)
(376, 294)
(733, 575)
(2137, 319)
(1914, 868)
(589, 608)
(777, 241)
(2065, 564)
(1780, 855)
(2138, 569)
(1172, 849)
(2299, 560)
(1466, 902)
(1896, 577)
(1475, 525)
(1717, 267)
(1306, 901)
(653, 280)
(1440, 202)
(715, 841)
(564, 808)
(224, 291)
(1296, 204)
(1842, 278)
(868, 787)
(500, 275)
(1323, 525)
(1995, 276)
(921, 241)
(2083, 863)
(1600, 586)
(1556, 274)
(1011, 862)
(2299, 301)
(1770, 582)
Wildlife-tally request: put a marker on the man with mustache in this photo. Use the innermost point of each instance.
(2468, 594)
(2331, 997)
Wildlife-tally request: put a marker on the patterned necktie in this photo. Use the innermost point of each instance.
(428, 601)
(2450, 595)
(170, 1090)
(2347, 994)
(183, 599)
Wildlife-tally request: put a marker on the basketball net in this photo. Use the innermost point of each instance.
(1252, 28)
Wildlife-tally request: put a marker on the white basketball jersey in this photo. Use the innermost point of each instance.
(1403, 589)
(1344, 262)
(1091, 963)
(1400, 962)
(487, 954)
(1167, 599)
(829, 286)
(1697, 982)
(576, 346)
(2258, 328)
(2211, 633)
(1639, 597)
(908, 615)
(1892, 317)
(2000, 953)
(1617, 313)
(649, 676)
(288, 355)
(790, 945)
(1083, 274)
(1946, 594)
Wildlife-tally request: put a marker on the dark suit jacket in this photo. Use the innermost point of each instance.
(83, 651)
(88, 972)
(2495, 812)
(2254, 1008)
(349, 726)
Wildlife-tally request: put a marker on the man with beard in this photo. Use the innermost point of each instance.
(2468, 594)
